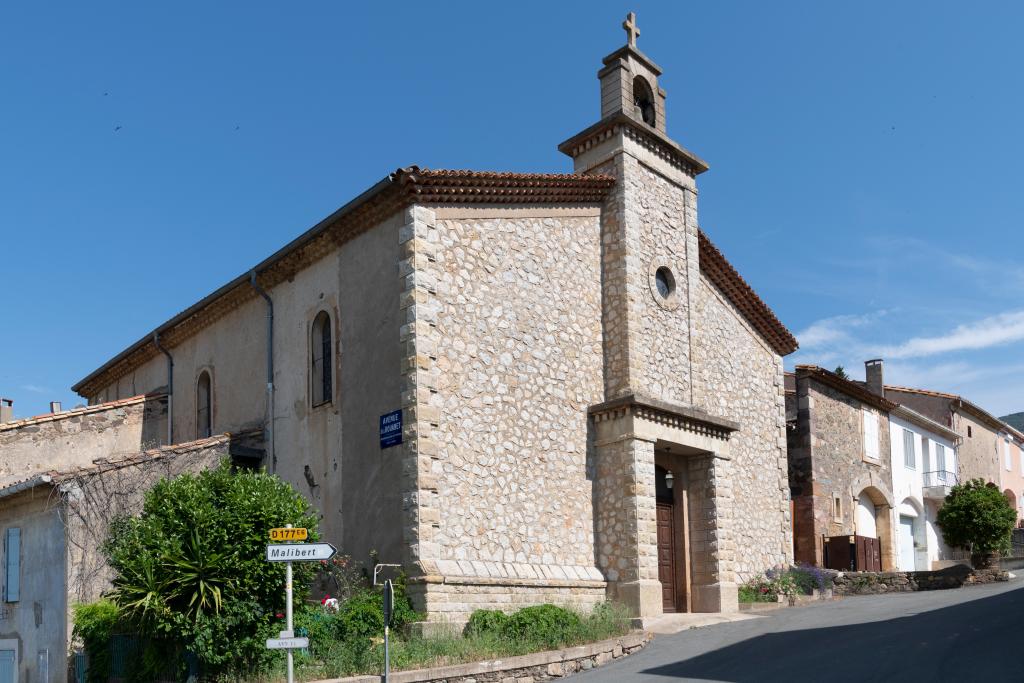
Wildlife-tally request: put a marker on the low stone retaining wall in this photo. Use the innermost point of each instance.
(540, 666)
(872, 583)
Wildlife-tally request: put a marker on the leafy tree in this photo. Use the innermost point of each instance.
(976, 516)
(190, 571)
(841, 371)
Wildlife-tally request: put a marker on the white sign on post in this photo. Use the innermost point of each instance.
(300, 552)
(287, 643)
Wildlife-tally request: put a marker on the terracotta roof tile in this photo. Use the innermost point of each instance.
(75, 412)
(973, 408)
(848, 387)
(718, 269)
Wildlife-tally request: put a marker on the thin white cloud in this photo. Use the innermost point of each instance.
(835, 330)
(996, 330)
(35, 389)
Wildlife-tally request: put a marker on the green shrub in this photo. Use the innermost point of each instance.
(362, 616)
(977, 517)
(490, 636)
(191, 568)
(548, 625)
(483, 622)
(95, 623)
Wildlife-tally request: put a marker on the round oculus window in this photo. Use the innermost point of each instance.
(664, 281)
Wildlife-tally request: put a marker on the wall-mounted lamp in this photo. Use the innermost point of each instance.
(668, 479)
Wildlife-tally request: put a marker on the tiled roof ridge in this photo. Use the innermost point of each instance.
(725, 276)
(505, 175)
(423, 185)
(849, 387)
(75, 412)
(150, 455)
(971, 406)
(926, 392)
(101, 465)
(400, 189)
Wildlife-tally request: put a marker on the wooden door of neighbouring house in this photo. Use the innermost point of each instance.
(667, 555)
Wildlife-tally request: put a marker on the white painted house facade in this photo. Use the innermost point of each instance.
(924, 468)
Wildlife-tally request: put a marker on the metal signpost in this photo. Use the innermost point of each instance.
(293, 552)
(389, 604)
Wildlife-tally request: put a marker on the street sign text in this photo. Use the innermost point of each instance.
(287, 643)
(300, 552)
(288, 534)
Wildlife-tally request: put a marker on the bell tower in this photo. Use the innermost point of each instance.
(629, 82)
(649, 228)
(650, 295)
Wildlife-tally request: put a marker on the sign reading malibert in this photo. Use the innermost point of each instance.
(300, 552)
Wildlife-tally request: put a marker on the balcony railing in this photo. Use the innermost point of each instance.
(939, 478)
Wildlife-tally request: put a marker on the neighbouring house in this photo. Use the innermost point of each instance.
(74, 438)
(1011, 469)
(924, 466)
(53, 524)
(840, 471)
(524, 387)
(979, 456)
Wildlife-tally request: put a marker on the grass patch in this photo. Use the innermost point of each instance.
(536, 631)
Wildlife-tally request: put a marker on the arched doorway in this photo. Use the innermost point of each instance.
(911, 537)
(874, 520)
(865, 521)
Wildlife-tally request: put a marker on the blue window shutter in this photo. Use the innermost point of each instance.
(12, 562)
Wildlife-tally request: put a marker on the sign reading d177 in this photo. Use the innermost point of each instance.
(288, 534)
(300, 552)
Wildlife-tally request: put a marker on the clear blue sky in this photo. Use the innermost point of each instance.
(865, 157)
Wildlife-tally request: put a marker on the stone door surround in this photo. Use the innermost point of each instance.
(627, 431)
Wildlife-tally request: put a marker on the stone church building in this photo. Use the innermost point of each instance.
(590, 396)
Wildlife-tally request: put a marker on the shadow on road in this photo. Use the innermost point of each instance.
(975, 640)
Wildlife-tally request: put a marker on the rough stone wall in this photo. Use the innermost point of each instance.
(77, 437)
(657, 214)
(978, 455)
(625, 513)
(520, 316)
(835, 433)
(648, 222)
(737, 376)
(454, 602)
(873, 583)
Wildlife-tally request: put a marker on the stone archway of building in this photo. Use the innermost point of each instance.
(877, 499)
(1011, 498)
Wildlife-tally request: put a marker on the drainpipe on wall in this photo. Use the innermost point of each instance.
(170, 388)
(270, 370)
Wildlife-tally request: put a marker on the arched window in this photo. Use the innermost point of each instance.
(204, 406)
(321, 359)
(643, 99)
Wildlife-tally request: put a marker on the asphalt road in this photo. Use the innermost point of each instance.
(968, 634)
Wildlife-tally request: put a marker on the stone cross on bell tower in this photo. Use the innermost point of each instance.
(632, 30)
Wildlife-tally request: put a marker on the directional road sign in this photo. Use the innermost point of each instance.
(300, 552)
(287, 643)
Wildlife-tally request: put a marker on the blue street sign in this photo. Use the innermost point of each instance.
(391, 429)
